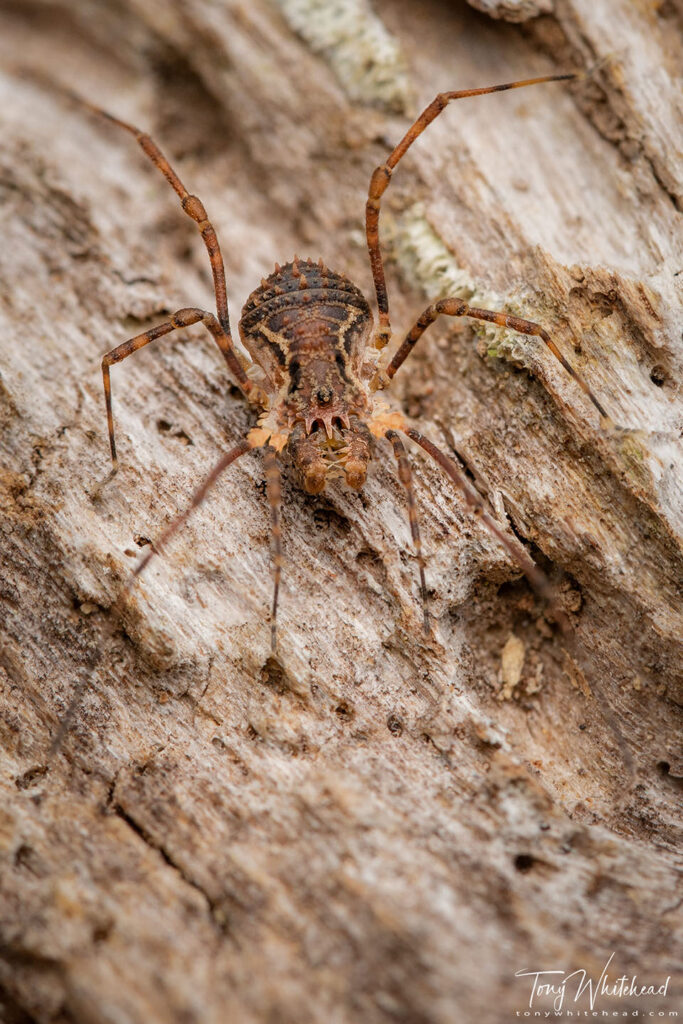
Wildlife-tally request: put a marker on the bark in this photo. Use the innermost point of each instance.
(375, 827)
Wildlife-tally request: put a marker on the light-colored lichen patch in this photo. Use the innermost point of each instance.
(426, 261)
(365, 57)
(513, 10)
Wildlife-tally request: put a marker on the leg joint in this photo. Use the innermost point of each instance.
(194, 208)
(381, 176)
(188, 316)
(451, 307)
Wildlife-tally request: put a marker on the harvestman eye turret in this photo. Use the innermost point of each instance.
(317, 366)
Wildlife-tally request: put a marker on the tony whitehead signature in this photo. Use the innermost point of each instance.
(578, 983)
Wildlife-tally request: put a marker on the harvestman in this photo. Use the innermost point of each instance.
(316, 371)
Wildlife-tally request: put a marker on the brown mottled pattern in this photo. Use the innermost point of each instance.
(308, 327)
(303, 308)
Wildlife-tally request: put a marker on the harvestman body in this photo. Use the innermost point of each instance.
(316, 371)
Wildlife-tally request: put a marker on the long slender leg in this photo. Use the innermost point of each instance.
(382, 176)
(537, 578)
(406, 478)
(226, 460)
(274, 492)
(191, 204)
(183, 318)
(456, 307)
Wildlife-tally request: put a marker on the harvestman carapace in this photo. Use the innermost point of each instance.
(316, 370)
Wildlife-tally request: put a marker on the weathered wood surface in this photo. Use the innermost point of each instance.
(387, 829)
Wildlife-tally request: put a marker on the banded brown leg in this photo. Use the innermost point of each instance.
(536, 577)
(157, 548)
(456, 307)
(274, 493)
(183, 318)
(192, 206)
(406, 478)
(381, 177)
